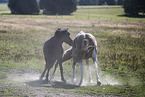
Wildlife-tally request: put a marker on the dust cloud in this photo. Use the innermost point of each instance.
(109, 80)
(23, 77)
(105, 78)
(27, 77)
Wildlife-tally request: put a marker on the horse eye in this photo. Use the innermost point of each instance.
(67, 33)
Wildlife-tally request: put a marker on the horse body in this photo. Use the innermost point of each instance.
(84, 47)
(53, 51)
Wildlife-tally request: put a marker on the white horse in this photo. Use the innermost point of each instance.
(84, 47)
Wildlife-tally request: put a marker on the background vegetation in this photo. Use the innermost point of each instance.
(23, 6)
(121, 51)
(133, 7)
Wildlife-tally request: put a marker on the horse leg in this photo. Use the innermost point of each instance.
(88, 65)
(47, 75)
(67, 55)
(42, 75)
(82, 72)
(74, 76)
(56, 65)
(61, 71)
(94, 57)
(49, 65)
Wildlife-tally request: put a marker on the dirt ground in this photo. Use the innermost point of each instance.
(27, 83)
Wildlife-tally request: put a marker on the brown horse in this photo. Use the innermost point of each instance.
(53, 51)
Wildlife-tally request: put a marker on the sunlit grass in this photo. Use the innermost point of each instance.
(3, 7)
(84, 12)
(120, 45)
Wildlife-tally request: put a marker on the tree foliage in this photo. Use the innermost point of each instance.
(133, 7)
(119, 2)
(23, 6)
(110, 2)
(58, 6)
(88, 2)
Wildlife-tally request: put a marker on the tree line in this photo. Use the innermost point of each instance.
(48, 6)
(100, 2)
(131, 7)
(134, 7)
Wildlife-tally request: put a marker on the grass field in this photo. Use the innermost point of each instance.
(121, 53)
(87, 12)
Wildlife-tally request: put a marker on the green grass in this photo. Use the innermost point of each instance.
(121, 51)
(8, 93)
(3, 7)
(112, 90)
(87, 12)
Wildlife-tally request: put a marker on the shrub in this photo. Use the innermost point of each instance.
(110, 2)
(133, 7)
(87, 2)
(58, 6)
(23, 6)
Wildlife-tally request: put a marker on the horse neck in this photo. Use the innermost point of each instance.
(58, 41)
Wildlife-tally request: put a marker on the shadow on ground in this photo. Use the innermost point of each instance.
(55, 84)
(139, 16)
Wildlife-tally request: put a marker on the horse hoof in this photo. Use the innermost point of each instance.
(47, 80)
(40, 78)
(80, 84)
(64, 81)
(98, 83)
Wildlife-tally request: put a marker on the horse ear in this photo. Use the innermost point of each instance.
(58, 29)
(67, 31)
(57, 32)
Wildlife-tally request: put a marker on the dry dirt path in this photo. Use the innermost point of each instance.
(26, 83)
(5, 12)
